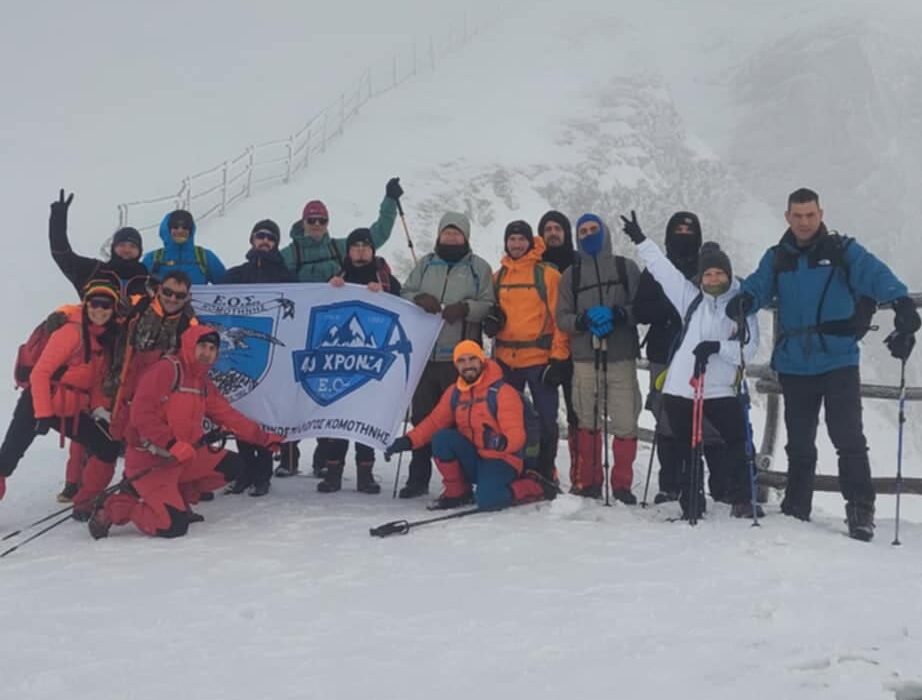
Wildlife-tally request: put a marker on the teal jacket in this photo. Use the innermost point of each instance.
(319, 260)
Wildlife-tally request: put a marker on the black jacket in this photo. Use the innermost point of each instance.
(379, 271)
(130, 276)
(261, 266)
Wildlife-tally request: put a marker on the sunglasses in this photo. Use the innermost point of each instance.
(180, 226)
(100, 303)
(171, 294)
(316, 220)
(264, 236)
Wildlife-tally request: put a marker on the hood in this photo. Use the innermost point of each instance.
(535, 255)
(187, 347)
(172, 249)
(682, 250)
(492, 372)
(455, 220)
(302, 239)
(606, 240)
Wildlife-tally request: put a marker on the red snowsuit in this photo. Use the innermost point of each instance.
(164, 412)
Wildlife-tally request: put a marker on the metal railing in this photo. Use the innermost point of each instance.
(213, 191)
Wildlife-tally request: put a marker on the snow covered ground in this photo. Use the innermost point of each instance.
(591, 105)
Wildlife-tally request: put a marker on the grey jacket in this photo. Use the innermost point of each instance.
(597, 276)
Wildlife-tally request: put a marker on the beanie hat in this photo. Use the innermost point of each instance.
(683, 217)
(210, 337)
(712, 256)
(467, 347)
(100, 288)
(181, 217)
(267, 226)
(315, 209)
(454, 219)
(360, 235)
(520, 228)
(127, 235)
(591, 245)
(557, 218)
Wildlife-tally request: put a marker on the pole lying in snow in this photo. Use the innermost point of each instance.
(402, 527)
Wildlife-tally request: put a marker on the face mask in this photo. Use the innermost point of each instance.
(716, 289)
(452, 253)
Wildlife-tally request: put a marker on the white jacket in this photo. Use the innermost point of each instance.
(708, 322)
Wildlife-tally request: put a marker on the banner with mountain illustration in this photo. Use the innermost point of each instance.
(312, 360)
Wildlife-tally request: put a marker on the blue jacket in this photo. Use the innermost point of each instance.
(183, 257)
(810, 289)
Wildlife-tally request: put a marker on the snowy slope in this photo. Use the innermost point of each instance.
(589, 105)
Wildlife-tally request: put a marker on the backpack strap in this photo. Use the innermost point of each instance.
(157, 261)
(545, 340)
(201, 260)
(686, 321)
(620, 269)
(177, 378)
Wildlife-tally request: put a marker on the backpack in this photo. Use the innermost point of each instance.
(544, 340)
(200, 260)
(29, 352)
(530, 419)
(860, 322)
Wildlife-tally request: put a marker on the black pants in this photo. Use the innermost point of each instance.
(290, 455)
(437, 377)
(21, 433)
(727, 461)
(839, 392)
(567, 384)
(257, 462)
(336, 449)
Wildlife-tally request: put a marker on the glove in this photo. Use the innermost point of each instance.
(600, 314)
(401, 444)
(900, 345)
(602, 330)
(555, 373)
(59, 208)
(583, 322)
(43, 425)
(494, 322)
(632, 229)
(427, 303)
(393, 189)
(906, 318)
(702, 353)
(493, 440)
(182, 451)
(740, 305)
(273, 443)
(618, 315)
(455, 312)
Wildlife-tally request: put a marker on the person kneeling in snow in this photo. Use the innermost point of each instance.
(163, 454)
(473, 444)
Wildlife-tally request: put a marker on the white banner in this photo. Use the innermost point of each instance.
(312, 360)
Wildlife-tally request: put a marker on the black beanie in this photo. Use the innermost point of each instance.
(560, 219)
(520, 228)
(181, 216)
(360, 235)
(712, 256)
(210, 337)
(127, 235)
(268, 226)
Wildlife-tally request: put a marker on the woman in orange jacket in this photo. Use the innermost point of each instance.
(64, 392)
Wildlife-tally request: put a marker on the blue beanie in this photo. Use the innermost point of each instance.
(591, 245)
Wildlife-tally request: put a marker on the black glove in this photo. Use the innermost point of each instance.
(618, 316)
(740, 305)
(393, 189)
(555, 373)
(582, 322)
(455, 312)
(427, 303)
(401, 444)
(632, 229)
(703, 352)
(900, 345)
(43, 425)
(906, 318)
(494, 322)
(493, 440)
(59, 208)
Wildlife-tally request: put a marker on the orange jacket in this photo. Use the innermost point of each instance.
(79, 388)
(472, 418)
(528, 318)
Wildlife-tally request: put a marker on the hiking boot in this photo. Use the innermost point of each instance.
(99, 524)
(194, 517)
(860, 519)
(285, 470)
(260, 488)
(587, 491)
(81, 515)
(238, 486)
(365, 481)
(446, 502)
(743, 509)
(413, 490)
(206, 496)
(625, 496)
(665, 497)
(333, 481)
(795, 512)
(68, 492)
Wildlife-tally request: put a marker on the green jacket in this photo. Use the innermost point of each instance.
(320, 260)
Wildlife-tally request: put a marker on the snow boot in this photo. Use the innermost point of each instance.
(665, 497)
(260, 488)
(743, 509)
(860, 519)
(193, 517)
(624, 451)
(365, 481)
(413, 490)
(68, 492)
(333, 480)
(586, 477)
(445, 502)
(625, 496)
(288, 460)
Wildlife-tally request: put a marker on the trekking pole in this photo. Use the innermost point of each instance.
(606, 462)
(697, 444)
(406, 422)
(37, 534)
(646, 486)
(742, 332)
(899, 451)
(597, 356)
(402, 527)
(403, 220)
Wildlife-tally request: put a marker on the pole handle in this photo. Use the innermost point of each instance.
(395, 527)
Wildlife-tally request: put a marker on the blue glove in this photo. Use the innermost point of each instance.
(602, 330)
(599, 314)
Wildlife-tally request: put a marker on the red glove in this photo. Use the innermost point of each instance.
(273, 443)
(182, 451)
(2, 487)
